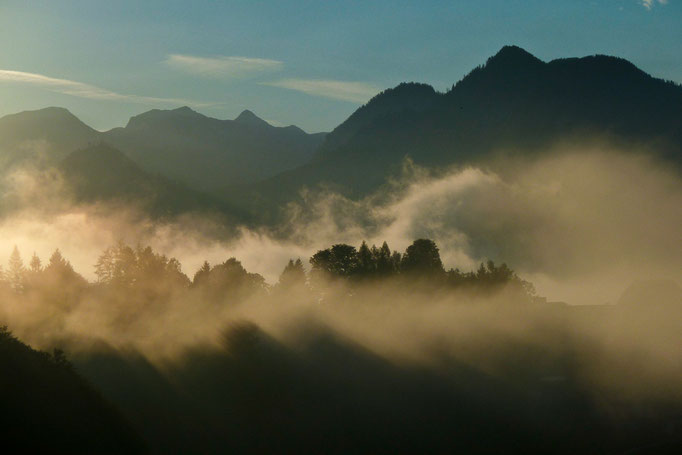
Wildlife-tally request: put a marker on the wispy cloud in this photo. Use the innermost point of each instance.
(222, 66)
(648, 4)
(82, 90)
(355, 92)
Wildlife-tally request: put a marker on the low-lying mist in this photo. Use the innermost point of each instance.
(594, 216)
(581, 225)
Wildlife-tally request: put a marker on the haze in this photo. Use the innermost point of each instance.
(242, 228)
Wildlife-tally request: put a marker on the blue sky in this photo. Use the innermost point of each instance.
(295, 62)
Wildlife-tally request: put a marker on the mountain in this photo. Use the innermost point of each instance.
(49, 408)
(100, 173)
(47, 134)
(206, 153)
(200, 151)
(412, 97)
(515, 103)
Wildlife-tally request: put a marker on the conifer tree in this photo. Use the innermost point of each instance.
(385, 265)
(293, 274)
(16, 270)
(35, 265)
(366, 263)
(202, 274)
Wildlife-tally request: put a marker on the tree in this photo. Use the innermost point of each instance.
(293, 274)
(367, 265)
(104, 268)
(35, 266)
(339, 260)
(33, 276)
(227, 282)
(423, 258)
(57, 283)
(396, 259)
(57, 261)
(202, 274)
(385, 266)
(141, 267)
(16, 270)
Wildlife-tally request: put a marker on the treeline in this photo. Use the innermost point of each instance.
(420, 263)
(140, 274)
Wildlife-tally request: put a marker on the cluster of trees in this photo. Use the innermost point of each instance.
(228, 280)
(140, 275)
(420, 258)
(420, 262)
(56, 282)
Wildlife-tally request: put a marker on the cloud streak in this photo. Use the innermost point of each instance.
(648, 4)
(222, 67)
(83, 90)
(354, 92)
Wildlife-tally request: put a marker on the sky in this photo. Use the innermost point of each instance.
(308, 63)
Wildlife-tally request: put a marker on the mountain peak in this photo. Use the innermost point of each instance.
(249, 118)
(184, 110)
(162, 116)
(62, 130)
(46, 113)
(513, 55)
(56, 110)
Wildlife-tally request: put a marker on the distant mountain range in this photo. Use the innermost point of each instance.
(514, 103)
(202, 152)
(207, 153)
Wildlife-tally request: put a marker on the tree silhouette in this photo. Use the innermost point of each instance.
(423, 258)
(340, 260)
(16, 270)
(229, 282)
(293, 274)
(367, 264)
(385, 265)
(57, 284)
(201, 274)
(35, 265)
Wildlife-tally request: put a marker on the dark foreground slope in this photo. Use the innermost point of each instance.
(553, 391)
(46, 407)
(514, 103)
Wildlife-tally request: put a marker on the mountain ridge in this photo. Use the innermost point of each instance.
(205, 153)
(182, 144)
(514, 102)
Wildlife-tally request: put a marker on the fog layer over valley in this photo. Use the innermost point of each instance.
(231, 348)
(430, 277)
(593, 214)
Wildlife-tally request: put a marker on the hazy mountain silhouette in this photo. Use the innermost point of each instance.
(48, 134)
(208, 153)
(103, 173)
(513, 102)
(203, 152)
(48, 408)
